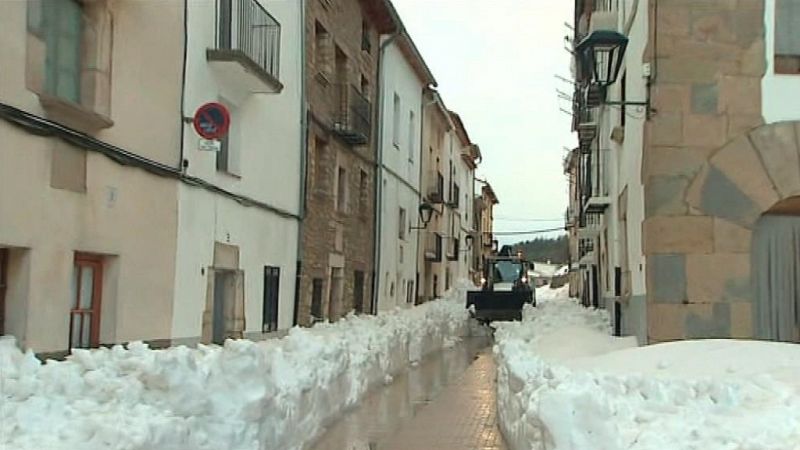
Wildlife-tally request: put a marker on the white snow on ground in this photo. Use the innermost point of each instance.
(275, 394)
(565, 384)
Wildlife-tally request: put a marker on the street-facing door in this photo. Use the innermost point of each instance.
(358, 291)
(87, 288)
(223, 291)
(272, 276)
(335, 294)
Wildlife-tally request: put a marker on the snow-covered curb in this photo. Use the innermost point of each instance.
(274, 394)
(564, 384)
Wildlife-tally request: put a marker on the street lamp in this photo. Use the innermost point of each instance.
(425, 213)
(603, 52)
(468, 240)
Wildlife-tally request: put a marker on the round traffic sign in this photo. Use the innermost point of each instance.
(212, 120)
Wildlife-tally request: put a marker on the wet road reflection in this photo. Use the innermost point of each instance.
(386, 409)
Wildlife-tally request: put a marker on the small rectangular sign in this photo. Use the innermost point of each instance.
(210, 145)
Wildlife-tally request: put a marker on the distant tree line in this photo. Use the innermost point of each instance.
(556, 250)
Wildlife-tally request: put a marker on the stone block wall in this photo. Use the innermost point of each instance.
(709, 171)
(334, 238)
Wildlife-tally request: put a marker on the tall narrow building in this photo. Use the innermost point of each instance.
(338, 234)
(238, 243)
(404, 77)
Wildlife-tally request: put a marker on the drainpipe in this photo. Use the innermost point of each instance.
(303, 162)
(376, 280)
(422, 107)
(181, 163)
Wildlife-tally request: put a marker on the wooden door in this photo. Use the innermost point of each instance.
(87, 289)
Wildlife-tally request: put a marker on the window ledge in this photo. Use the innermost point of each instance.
(73, 114)
(230, 174)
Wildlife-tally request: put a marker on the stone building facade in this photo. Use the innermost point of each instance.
(484, 242)
(338, 232)
(677, 249)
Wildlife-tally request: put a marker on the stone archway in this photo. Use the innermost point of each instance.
(740, 182)
(699, 280)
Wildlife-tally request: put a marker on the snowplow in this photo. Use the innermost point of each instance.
(505, 288)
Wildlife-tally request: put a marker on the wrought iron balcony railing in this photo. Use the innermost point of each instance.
(250, 36)
(353, 121)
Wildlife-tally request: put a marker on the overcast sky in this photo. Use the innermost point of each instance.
(496, 62)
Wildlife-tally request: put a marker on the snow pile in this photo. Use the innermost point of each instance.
(564, 384)
(246, 395)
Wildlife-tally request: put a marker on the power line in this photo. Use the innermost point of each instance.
(519, 219)
(517, 233)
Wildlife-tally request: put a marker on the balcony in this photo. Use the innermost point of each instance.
(353, 119)
(591, 226)
(247, 53)
(433, 247)
(594, 182)
(585, 252)
(436, 191)
(586, 128)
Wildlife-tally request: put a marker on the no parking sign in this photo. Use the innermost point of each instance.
(212, 120)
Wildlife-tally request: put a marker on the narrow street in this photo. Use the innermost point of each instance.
(446, 402)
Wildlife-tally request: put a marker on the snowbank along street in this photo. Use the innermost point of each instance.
(565, 384)
(245, 395)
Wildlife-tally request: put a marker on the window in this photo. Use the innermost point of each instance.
(366, 44)
(318, 169)
(787, 39)
(60, 25)
(411, 140)
(68, 58)
(228, 154)
(86, 293)
(402, 225)
(342, 68)
(410, 292)
(456, 196)
(364, 86)
(396, 122)
(269, 314)
(316, 300)
(362, 192)
(323, 50)
(358, 291)
(341, 190)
